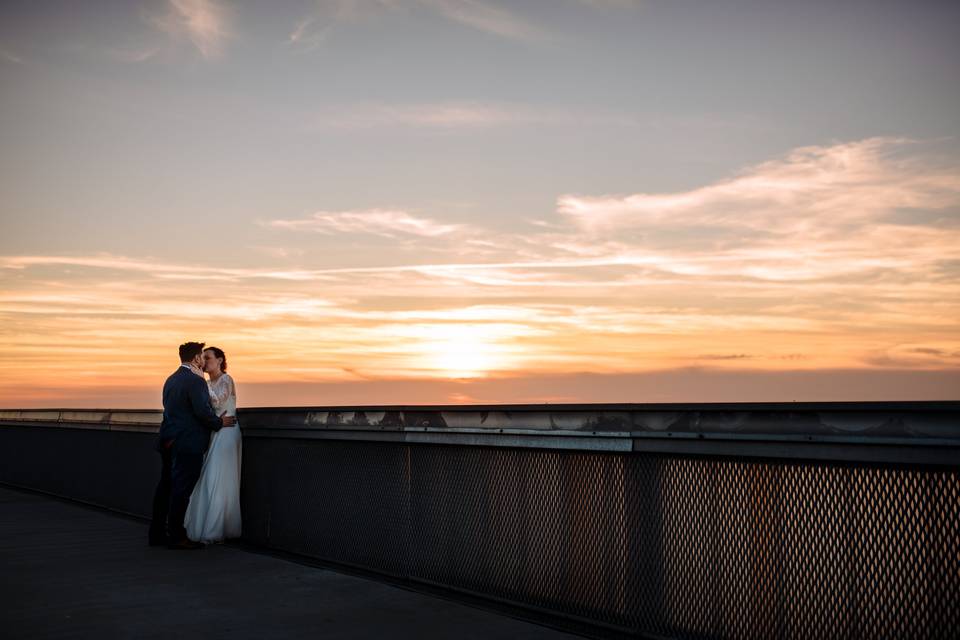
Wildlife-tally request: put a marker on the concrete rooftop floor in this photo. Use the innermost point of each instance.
(70, 571)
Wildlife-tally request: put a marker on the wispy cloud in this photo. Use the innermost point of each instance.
(306, 35)
(277, 252)
(203, 22)
(486, 17)
(310, 31)
(809, 188)
(612, 4)
(819, 212)
(481, 15)
(9, 56)
(383, 222)
(133, 55)
(461, 115)
(157, 269)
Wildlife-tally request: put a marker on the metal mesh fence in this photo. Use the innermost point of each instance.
(690, 547)
(656, 544)
(339, 501)
(113, 469)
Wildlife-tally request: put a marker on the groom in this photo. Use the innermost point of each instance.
(188, 419)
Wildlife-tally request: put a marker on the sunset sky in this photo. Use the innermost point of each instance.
(449, 201)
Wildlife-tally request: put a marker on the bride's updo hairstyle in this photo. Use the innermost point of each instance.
(218, 353)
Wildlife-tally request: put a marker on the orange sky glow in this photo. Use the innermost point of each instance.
(794, 266)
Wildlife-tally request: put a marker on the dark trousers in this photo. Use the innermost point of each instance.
(179, 473)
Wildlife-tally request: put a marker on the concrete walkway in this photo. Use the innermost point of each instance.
(68, 571)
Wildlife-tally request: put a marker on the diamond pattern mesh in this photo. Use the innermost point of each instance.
(340, 501)
(687, 547)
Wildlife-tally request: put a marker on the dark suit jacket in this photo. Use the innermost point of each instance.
(188, 416)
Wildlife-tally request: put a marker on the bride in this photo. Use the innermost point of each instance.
(214, 510)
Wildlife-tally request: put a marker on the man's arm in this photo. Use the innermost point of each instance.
(200, 403)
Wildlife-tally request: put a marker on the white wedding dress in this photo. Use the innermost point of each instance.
(214, 510)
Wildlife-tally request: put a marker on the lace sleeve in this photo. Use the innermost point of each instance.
(220, 392)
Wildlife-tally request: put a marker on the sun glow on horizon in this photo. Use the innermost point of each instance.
(461, 351)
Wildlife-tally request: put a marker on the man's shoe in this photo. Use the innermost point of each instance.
(158, 537)
(185, 545)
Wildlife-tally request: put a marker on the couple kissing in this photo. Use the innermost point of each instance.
(197, 500)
